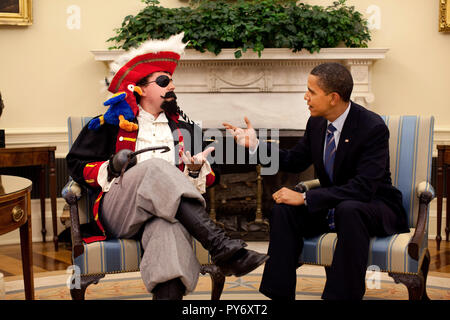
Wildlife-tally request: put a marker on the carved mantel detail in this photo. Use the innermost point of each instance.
(253, 85)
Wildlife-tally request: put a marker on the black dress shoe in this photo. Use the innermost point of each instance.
(243, 262)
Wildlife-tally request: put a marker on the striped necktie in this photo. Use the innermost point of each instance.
(330, 153)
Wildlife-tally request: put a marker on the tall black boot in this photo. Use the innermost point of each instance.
(228, 254)
(169, 290)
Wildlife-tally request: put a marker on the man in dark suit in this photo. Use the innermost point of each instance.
(348, 146)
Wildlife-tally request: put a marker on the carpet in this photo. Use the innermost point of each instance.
(129, 286)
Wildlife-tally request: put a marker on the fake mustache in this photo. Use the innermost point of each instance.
(170, 94)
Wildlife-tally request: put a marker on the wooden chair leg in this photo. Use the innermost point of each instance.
(217, 279)
(416, 284)
(424, 270)
(78, 293)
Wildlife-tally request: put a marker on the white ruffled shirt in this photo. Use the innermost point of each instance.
(156, 132)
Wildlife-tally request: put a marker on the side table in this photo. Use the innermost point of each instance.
(15, 212)
(37, 157)
(443, 164)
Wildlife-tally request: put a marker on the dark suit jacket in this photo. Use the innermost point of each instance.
(361, 167)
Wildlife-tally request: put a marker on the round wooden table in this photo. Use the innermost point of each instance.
(15, 212)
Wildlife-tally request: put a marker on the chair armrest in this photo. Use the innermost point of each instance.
(73, 187)
(304, 186)
(425, 186)
(425, 193)
(72, 200)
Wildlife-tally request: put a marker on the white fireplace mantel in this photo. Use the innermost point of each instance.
(267, 54)
(268, 89)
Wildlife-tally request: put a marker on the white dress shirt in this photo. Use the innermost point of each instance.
(154, 132)
(338, 124)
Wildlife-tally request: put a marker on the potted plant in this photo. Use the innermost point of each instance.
(247, 24)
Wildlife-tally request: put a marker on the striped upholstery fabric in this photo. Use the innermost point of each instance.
(118, 255)
(115, 255)
(74, 125)
(201, 253)
(410, 147)
(388, 253)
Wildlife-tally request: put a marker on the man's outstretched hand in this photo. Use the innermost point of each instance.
(244, 137)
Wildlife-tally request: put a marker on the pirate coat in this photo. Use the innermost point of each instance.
(94, 147)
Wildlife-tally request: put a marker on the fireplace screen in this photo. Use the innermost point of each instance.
(242, 201)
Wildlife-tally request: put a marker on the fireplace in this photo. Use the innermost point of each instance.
(242, 201)
(268, 90)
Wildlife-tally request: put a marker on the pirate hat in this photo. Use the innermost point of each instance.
(151, 56)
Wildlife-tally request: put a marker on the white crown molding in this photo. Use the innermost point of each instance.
(266, 54)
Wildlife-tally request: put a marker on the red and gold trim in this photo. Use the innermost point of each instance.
(95, 211)
(126, 140)
(180, 149)
(210, 178)
(90, 173)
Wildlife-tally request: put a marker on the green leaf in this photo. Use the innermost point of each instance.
(215, 24)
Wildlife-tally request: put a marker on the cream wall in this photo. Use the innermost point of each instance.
(47, 71)
(415, 76)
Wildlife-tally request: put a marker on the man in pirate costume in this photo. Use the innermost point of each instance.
(159, 198)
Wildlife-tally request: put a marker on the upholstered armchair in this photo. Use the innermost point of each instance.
(94, 260)
(404, 256)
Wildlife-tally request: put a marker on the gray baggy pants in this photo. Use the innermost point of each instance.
(149, 197)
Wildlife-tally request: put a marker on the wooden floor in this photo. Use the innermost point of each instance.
(45, 258)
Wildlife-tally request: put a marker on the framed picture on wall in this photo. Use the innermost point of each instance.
(16, 12)
(444, 15)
